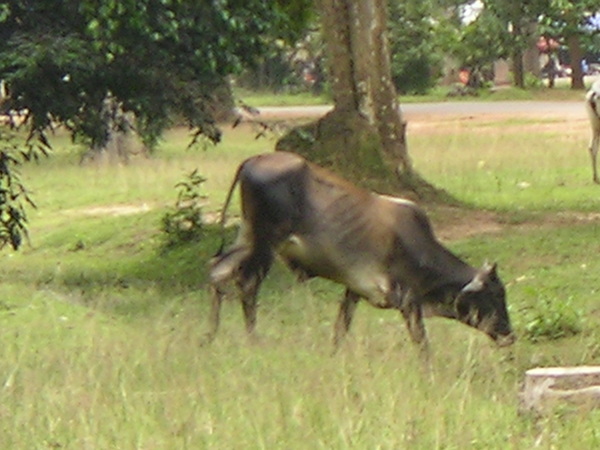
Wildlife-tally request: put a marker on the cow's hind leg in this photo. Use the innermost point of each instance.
(345, 315)
(253, 271)
(223, 268)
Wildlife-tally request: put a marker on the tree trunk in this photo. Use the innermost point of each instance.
(221, 104)
(576, 56)
(531, 55)
(121, 142)
(518, 70)
(363, 137)
(517, 58)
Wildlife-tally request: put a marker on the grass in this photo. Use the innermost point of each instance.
(561, 92)
(509, 166)
(100, 330)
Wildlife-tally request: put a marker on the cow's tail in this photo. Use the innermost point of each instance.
(223, 220)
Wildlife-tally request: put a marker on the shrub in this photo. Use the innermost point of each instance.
(551, 320)
(183, 224)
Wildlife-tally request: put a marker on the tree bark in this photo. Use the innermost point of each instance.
(576, 56)
(364, 136)
(121, 142)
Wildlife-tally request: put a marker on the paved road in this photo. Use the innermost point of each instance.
(570, 109)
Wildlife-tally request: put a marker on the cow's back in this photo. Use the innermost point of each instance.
(269, 189)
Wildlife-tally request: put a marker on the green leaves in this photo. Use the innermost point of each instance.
(552, 319)
(160, 58)
(184, 223)
(14, 197)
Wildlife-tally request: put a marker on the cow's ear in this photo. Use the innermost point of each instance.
(489, 271)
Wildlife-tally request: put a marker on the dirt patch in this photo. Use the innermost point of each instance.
(109, 210)
(452, 224)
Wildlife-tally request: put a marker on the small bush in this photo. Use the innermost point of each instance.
(183, 224)
(551, 320)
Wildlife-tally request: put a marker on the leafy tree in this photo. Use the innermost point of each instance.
(414, 44)
(569, 22)
(480, 43)
(162, 60)
(519, 19)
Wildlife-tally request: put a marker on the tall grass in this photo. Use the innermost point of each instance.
(100, 331)
(509, 164)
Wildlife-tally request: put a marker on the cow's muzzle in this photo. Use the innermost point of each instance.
(506, 340)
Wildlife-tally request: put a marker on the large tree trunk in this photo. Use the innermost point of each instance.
(531, 55)
(517, 59)
(576, 56)
(364, 136)
(122, 141)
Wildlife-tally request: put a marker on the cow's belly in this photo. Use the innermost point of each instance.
(367, 278)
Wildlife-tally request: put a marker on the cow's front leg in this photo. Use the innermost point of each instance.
(413, 315)
(345, 315)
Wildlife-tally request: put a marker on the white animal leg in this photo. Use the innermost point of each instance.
(594, 143)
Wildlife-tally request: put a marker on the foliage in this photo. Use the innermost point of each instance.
(290, 67)
(565, 18)
(551, 320)
(14, 197)
(162, 59)
(413, 41)
(184, 223)
(481, 43)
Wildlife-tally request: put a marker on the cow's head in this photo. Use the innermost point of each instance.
(482, 305)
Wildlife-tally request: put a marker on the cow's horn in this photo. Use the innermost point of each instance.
(476, 284)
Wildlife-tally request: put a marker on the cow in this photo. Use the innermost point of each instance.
(592, 103)
(380, 248)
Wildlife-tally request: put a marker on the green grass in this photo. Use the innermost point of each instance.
(511, 164)
(100, 331)
(561, 92)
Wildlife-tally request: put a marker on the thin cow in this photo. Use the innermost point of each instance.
(380, 248)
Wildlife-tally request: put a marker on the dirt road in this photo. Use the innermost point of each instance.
(569, 109)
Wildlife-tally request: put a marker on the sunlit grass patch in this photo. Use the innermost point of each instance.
(100, 328)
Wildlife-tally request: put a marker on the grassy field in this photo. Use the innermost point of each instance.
(561, 92)
(100, 329)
